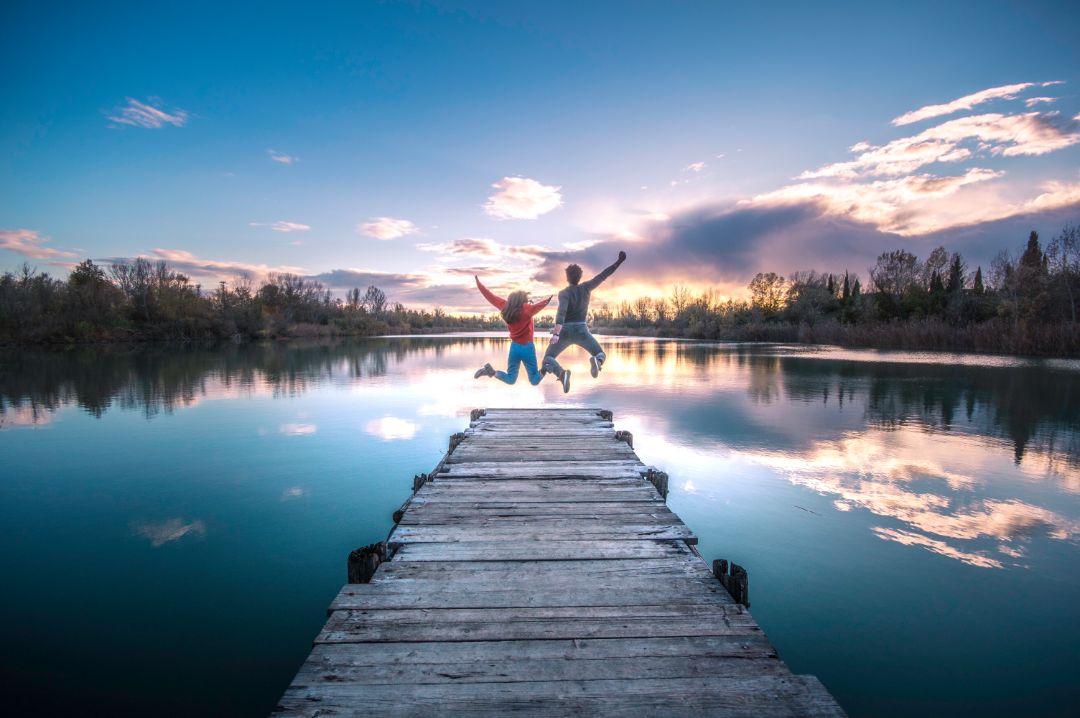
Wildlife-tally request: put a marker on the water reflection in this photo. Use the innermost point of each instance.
(916, 443)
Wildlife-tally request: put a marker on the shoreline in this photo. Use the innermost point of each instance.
(1021, 341)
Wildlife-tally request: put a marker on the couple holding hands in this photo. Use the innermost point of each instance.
(570, 328)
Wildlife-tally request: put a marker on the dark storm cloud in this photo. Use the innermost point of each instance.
(731, 244)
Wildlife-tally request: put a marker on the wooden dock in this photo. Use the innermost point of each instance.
(538, 571)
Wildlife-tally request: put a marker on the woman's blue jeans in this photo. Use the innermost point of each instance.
(520, 354)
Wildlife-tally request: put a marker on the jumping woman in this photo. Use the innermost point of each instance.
(518, 315)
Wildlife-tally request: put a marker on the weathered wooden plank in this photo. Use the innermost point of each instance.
(618, 463)
(335, 663)
(713, 695)
(552, 531)
(547, 551)
(440, 594)
(428, 509)
(358, 627)
(594, 649)
(544, 470)
(568, 488)
(583, 569)
(537, 521)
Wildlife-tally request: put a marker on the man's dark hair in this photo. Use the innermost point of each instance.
(573, 274)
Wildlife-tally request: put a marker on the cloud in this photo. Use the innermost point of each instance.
(1032, 101)
(908, 538)
(282, 226)
(282, 158)
(522, 198)
(467, 246)
(196, 267)
(390, 282)
(391, 428)
(140, 114)
(297, 429)
(889, 204)
(28, 243)
(160, 533)
(967, 102)
(695, 167)
(724, 244)
(1031, 133)
(387, 228)
(483, 248)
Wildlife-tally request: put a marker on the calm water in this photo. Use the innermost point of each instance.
(174, 522)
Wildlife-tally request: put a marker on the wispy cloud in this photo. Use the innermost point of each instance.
(160, 533)
(387, 228)
(209, 269)
(298, 429)
(522, 198)
(1032, 101)
(909, 538)
(147, 114)
(282, 158)
(483, 248)
(1030, 133)
(967, 102)
(695, 166)
(29, 243)
(282, 226)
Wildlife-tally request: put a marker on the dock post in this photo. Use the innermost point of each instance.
(364, 561)
(737, 582)
(625, 436)
(659, 479)
(455, 439)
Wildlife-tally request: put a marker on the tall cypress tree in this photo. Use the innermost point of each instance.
(956, 274)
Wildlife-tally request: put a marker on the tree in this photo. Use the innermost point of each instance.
(956, 274)
(1032, 258)
(936, 262)
(767, 290)
(977, 285)
(895, 272)
(374, 300)
(1064, 255)
(893, 276)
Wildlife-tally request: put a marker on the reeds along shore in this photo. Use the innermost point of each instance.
(1027, 303)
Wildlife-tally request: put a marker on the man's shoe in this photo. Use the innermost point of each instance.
(565, 381)
(595, 365)
(486, 370)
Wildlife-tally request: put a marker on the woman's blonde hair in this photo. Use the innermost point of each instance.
(514, 303)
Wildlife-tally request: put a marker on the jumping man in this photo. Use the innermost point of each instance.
(570, 322)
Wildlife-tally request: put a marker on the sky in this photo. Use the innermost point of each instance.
(412, 145)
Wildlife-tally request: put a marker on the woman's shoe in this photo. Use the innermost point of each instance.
(565, 381)
(486, 370)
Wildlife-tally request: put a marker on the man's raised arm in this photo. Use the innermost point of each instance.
(595, 281)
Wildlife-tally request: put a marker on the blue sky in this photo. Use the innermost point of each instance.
(410, 144)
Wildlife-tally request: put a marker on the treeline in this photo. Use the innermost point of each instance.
(1025, 304)
(148, 301)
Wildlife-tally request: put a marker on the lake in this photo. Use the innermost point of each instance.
(176, 520)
